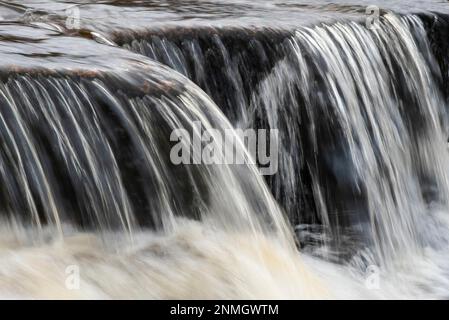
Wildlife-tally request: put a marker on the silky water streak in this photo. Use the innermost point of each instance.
(78, 153)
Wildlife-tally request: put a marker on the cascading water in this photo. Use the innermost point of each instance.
(389, 121)
(86, 171)
(361, 119)
(86, 178)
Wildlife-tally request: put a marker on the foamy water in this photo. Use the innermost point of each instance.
(191, 262)
(197, 262)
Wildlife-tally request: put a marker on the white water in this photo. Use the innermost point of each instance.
(197, 262)
(241, 247)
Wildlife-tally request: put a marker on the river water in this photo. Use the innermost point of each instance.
(92, 205)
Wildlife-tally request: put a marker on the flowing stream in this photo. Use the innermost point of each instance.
(92, 204)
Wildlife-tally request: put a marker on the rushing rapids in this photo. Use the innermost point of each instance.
(86, 178)
(361, 114)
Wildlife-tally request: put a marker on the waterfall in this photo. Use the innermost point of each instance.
(87, 152)
(88, 182)
(386, 125)
(362, 121)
